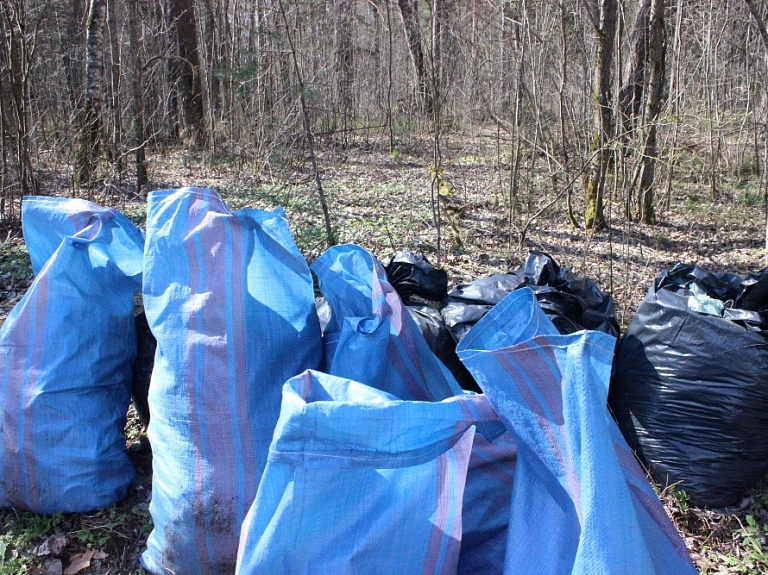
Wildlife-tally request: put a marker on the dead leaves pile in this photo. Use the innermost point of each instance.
(51, 551)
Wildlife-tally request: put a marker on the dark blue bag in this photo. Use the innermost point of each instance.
(65, 360)
(229, 298)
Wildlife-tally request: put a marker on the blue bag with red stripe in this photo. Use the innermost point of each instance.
(372, 339)
(580, 504)
(361, 482)
(66, 351)
(229, 298)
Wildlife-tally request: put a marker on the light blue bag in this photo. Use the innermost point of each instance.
(66, 351)
(372, 339)
(359, 482)
(580, 503)
(229, 298)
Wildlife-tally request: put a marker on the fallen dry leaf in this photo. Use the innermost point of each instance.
(79, 562)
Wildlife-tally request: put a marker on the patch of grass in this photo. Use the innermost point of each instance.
(14, 260)
(137, 213)
(695, 206)
(661, 242)
(19, 532)
(749, 196)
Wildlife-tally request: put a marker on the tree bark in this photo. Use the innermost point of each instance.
(657, 48)
(137, 83)
(603, 14)
(116, 152)
(19, 64)
(636, 78)
(409, 12)
(90, 141)
(344, 63)
(185, 35)
(760, 23)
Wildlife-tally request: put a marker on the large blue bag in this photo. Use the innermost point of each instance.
(361, 482)
(66, 352)
(229, 298)
(580, 503)
(372, 339)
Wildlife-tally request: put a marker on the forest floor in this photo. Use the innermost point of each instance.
(382, 202)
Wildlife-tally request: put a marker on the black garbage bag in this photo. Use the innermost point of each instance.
(423, 288)
(690, 389)
(432, 326)
(572, 302)
(412, 274)
(142, 367)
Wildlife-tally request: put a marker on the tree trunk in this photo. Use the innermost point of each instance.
(137, 84)
(409, 11)
(636, 78)
(603, 14)
(344, 63)
(657, 48)
(89, 145)
(760, 23)
(71, 39)
(190, 89)
(116, 152)
(18, 62)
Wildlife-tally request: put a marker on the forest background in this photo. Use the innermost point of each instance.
(620, 137)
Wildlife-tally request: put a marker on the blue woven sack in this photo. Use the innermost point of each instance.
(361, 482)
(229, 298)
(580, 502)
(372, 339)
(66, 351)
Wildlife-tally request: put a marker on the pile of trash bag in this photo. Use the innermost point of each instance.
(396, 471)
(571, 301)
(690, 388)
(280, 447)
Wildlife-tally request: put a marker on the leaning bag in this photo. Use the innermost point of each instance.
(580, 502)
(66, 352)
(371, 338)
(229, 298)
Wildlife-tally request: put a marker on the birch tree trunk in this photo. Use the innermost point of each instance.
(90, 141)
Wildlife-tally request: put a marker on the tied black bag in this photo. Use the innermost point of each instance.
(690, 389)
